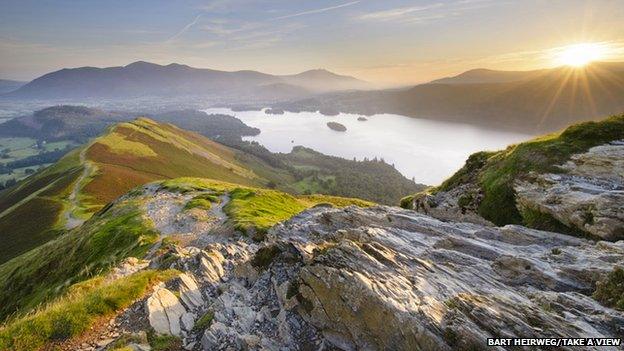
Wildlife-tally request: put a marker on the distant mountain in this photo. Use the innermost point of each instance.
(322, 80)
(81, 123)
(541, 102)
(7, 85)
(482, 75)
(144, 79)
(78, 123)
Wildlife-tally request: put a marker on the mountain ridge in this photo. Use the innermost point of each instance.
(132, 153)
(8, 85)
(128, 155)
(143, 78)
(543, 103)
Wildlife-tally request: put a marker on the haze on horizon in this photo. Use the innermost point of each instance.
(392, 42)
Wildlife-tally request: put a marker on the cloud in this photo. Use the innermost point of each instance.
(321, 10)
(397, 12)
(215, 5)
(426, 13)
(225, 28)
(186, 28)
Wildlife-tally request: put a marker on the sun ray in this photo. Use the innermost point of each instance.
(555, 98)
(579, 55)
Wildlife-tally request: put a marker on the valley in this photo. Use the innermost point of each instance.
(132, 153)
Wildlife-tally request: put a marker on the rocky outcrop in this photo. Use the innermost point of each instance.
(390, 279)
(584, 197)
(588, 195)
(457, 204)
(379, 278)
(386, 278)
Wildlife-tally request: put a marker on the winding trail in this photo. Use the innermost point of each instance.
(217, 210)
(71, 221)
(167, 213)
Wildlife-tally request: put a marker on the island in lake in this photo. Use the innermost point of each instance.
(274, 111)
(336, 126)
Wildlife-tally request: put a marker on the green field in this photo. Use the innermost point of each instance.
(17, 148)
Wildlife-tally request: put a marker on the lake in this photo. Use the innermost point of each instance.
(428, 150)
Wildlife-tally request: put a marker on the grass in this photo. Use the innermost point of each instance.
(495, 172)
(43, 273)
(173, 153)
(198, 203)
(540, 155)
(19, 148)
(260, 209)
(164, 342)
(124, 158)
(41, 195)
(407, 202)
(204, 321)
(78, 310)
(254, 209)
(19, 232)
(336, 201)
(118, 143)
(184, 185)
(202, 201)
(610, 290)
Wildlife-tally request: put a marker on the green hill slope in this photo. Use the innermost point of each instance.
(129, 154)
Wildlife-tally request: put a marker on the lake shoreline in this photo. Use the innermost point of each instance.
(428, 151)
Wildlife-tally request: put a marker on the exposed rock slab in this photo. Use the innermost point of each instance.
(386, 278)
(164, 312)
(588, 195)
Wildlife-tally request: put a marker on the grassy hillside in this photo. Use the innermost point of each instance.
(373, 180)
(120, 230)
(43, 272)
(255, 210)
(30, 211)
(30, 142)
(77, 311)
(129, 154)
(495, 172)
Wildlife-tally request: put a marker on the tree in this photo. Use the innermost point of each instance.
(9, 183)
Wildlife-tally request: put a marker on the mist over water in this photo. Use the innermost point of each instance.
(430, 151)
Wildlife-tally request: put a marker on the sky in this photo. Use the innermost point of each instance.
(390, 42)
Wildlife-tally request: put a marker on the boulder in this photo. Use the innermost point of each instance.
(189, 292)
(164, 312)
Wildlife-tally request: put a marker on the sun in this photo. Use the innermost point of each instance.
(579, 55)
